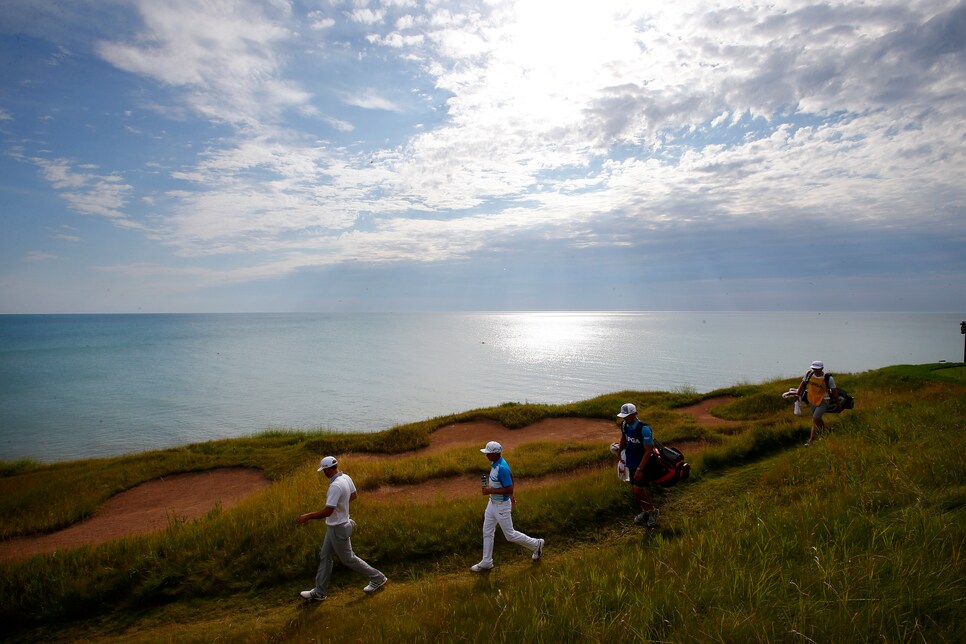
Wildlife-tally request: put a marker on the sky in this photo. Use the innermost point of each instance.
(395, 155)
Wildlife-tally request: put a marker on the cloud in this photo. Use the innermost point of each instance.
(371, 99)
(39, 256)
(541, 102)
(319, 21)
(88, 192)
(67, 233)
(367, 16)
(590, 127)
(222, 54)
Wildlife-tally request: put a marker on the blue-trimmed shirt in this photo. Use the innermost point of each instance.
(500, 476)
(638, 438)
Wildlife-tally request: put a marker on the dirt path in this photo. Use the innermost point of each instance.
(702, 412)
(150, 507)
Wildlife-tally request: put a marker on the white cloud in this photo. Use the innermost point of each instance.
(319, 21)
(39, 256)
(86, 191)
(222, 54)
(367, 16)
(371, 99)
(397, 40)
(590, 124)
(538, 96)
(67, 233)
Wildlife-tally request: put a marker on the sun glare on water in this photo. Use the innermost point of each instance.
(538, 337)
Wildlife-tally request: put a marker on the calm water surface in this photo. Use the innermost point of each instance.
(97, 385)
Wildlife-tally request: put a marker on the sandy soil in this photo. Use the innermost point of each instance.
(146, 508)
(151, 506)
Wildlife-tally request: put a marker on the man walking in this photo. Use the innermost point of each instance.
(637, 441)
(819, 388)
(499, 487)
(338, 533)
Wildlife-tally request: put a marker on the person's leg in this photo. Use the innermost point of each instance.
(818, 423)
(489, 533)
(639, 487)
(643, 496)
(342, 547)
(324, 573)
(648, 515)
(504, 516)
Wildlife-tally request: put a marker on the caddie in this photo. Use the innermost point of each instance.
(637, 442)
(819, 389)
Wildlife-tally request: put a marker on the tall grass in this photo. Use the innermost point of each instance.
(859, 537)
(849, 540)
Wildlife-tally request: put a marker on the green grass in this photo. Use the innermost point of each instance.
(857, 538)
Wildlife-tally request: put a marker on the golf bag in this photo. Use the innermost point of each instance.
(667, 466)
(846, 400)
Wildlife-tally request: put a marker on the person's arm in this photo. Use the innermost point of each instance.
(499, 490)
(332, 498)
(314, 516)
(647, 438)
(801, 387)
(507, 482)
(639, 472)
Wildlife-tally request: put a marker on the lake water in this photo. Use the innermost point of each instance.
(78, 386)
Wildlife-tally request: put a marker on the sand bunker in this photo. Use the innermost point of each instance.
(152, 506)
(149, 507)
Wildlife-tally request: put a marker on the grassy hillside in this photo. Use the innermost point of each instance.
(859, 537)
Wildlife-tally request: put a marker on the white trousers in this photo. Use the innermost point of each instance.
(501, 514)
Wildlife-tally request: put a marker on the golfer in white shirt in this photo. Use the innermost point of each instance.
(338, 533)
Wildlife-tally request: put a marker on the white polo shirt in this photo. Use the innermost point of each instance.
(341, 488)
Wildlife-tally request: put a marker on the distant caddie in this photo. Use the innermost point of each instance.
(499, 487)
(637, 441)
(819, 389)
(338, 533)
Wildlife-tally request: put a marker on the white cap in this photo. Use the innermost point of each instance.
(492, 448)
(615, 448)
(327, 462)
(627, 409)
(818, 365)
